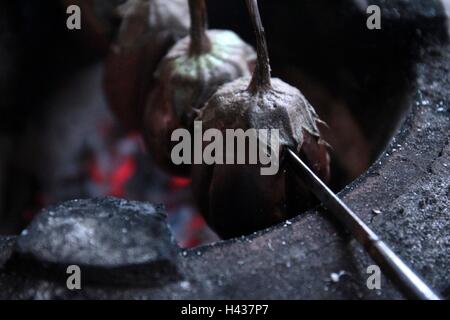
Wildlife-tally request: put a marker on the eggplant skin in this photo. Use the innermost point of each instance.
(184, 83)
(148, 30)
(237, 200)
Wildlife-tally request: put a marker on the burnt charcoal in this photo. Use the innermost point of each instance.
(6, 248)
(113, 241)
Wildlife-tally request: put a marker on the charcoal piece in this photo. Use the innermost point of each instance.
(111, 240)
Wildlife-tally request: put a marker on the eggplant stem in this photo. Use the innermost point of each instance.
(261, 80)
(200, 42)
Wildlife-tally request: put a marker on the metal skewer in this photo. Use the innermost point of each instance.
(409, 283)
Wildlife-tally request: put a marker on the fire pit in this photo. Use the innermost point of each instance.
(385, 97)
